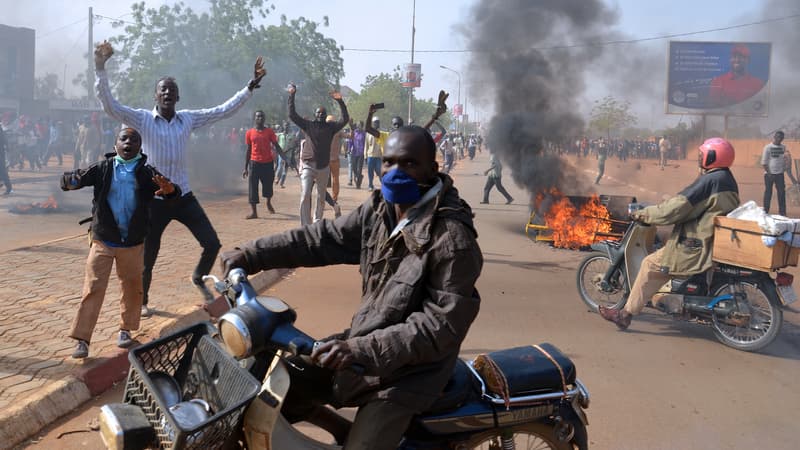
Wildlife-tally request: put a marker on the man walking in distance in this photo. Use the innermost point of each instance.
(165, 135)
(664, 146)
(495, 173)
(3, 168)
(315, 155)
(259, 162)
(776, 160)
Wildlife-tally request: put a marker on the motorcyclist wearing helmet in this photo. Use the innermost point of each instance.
(692, 212)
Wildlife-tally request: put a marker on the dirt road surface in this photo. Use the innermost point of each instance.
(661, 385)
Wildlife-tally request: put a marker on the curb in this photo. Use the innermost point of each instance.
(58, 398)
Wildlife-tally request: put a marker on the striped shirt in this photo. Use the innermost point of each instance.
(163, 141)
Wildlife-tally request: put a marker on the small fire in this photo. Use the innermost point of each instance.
(573, 227)
(49, 205)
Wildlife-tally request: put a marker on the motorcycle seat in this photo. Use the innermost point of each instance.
(527, 370)
(457, 391)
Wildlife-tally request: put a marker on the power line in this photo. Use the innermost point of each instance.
(589, 44)
(61, 28)
(118, 20)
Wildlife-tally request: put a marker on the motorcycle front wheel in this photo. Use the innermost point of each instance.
(591, 288)
(760, 315)
(537, 436)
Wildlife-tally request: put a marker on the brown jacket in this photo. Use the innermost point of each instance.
(418, 291)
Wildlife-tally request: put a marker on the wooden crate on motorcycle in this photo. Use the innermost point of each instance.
(738, 242)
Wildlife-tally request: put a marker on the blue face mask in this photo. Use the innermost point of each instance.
(398, 187)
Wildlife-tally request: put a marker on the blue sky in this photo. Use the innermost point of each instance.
(377, 24)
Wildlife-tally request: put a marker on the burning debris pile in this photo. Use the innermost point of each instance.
(576, 222)
(48, 206)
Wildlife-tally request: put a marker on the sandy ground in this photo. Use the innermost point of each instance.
(661, 385)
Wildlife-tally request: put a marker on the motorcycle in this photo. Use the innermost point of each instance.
(741, 305)
(542, 406)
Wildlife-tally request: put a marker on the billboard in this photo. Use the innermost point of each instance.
(725, 78)
(411, 75)
(458, 109)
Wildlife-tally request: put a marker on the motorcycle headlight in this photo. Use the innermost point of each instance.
(236, 335)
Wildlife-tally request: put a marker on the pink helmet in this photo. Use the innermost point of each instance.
(716, 153)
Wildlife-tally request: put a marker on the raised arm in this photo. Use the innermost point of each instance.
(441, 107)
(368, 126)
(293, 116)
(345, 115)
(125, 114)
(204, 117)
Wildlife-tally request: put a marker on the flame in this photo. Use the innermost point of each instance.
(49, 205)
(573, 228)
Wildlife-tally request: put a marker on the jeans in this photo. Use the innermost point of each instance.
(309, 176)
(280, 171)
(373, 168)
(776, 179)
(186, 210)
(357, 169)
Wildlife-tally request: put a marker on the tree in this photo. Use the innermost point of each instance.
(610, 115)
(46, 87)
(211, 55)
(386, 88)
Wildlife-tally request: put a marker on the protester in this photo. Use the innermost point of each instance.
(124, 186)
(261, 144)
(356, 153)
(165, 137)
(335, 164)
(602, 155)
(664, 146)
(495, 178)
(418, 300)
(315, 155)
(776, 160)
(3, 168)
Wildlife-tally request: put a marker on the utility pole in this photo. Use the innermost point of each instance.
(90, 72)
(411, 89)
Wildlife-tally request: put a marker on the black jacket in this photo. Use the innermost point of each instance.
(100, 175)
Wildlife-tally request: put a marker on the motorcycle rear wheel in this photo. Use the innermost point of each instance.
(535, 436)
(590, 273)
(766, 316)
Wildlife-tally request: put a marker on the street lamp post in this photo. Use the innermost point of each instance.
(458, 74)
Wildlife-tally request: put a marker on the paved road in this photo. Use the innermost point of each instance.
(661, 385)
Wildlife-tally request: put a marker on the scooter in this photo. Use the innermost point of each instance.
(741, 305)
(541, 405)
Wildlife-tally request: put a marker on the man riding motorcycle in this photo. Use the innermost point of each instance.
(416, 245)
(692, 212)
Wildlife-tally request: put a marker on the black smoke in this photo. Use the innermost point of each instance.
(530, 58)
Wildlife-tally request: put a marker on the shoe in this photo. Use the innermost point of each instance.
(270, 208)
(337, 210)
(251, 216)
(146, 312)
(8, 192)
(619, 317)
(484, 202)
(81, 350)
(349, 183)
(201, 286)
(124, 340)
(510, 201)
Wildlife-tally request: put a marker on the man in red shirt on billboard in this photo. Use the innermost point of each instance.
(258, 163)
(736, 85)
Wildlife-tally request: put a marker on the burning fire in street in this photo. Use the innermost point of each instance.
(574, 226)
(48, 206)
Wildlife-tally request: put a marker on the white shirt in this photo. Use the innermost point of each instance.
(164, 142)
